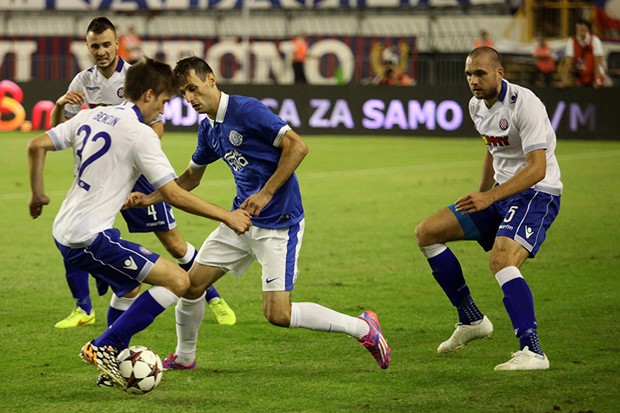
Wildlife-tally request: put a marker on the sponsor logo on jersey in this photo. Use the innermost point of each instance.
(93, 88)
(236, 160)
(528, 232)
(495, 140)
(145, 250)
(503, 123)
(235, 138)
(513, 97)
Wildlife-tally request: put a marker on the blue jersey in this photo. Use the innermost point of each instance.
(247, 134)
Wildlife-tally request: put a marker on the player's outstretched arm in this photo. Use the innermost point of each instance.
(37, 149)
(238, 220)
(189, 180)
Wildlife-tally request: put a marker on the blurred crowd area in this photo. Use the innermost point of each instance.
(391, 42)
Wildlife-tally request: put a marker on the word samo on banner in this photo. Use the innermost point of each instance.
(347, 110)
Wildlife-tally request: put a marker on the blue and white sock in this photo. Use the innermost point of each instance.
(138, 316)
(118, 306)
(519, 304)
(186, 263)
(449, 275)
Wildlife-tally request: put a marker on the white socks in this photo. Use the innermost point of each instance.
(316, 317)
(189, 315)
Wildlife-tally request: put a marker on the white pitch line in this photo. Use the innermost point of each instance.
(367, 171)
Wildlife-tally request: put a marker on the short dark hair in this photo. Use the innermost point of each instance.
(183, 67)
(149, 74)
(585, 23)
(489, 52)
(99, 25)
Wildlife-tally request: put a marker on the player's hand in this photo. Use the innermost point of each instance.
(71, 98)
(255, 203)
(136, 200)
(239, 221)
(474, 202)
(36, 205)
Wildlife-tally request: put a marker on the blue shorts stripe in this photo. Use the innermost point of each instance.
(291, 256)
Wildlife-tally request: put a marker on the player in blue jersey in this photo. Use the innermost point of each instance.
(102, 85)
(510, 214)
(262, 152)
(112, 147)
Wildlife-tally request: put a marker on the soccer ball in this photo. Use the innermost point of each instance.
(141, 367)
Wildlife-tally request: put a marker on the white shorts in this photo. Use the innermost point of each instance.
(276, 250)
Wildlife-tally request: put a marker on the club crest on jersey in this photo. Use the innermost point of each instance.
(235, 138)
(503, 123)
(120, 92)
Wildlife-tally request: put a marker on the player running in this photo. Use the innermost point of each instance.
(263, 153)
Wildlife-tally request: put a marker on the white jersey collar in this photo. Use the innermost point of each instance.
(221, 109)
(135, 108)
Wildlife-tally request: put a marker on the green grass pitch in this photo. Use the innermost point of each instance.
(363, 196)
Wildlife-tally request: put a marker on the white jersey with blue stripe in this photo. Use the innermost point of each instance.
(97, 89)
(112, 147)
(515, 125)
(246, 134)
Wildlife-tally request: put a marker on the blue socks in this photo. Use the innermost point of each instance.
(139, 316)
(78, 284)
(449, 275)
(519, 304)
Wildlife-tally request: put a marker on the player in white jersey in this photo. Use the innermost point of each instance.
(112, 147)
(263, 153)
(102, 85)
(518, 199)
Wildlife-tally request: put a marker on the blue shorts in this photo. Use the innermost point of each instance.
(524, 217)
(122, 264)
(158, 217)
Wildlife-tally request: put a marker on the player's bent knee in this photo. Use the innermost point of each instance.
(178, 283)
(422, 234)
(279, 319)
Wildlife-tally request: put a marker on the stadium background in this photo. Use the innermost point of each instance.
(249, 44)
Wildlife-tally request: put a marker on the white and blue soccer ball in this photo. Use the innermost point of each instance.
(142, 369)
